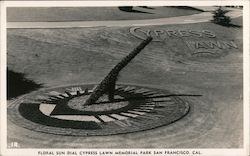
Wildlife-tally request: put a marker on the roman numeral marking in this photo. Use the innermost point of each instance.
(77, 118)
(41, 97)
(56, 97)
(148, 93)
(112, 117)
(93, 89)
(135, 112)
(98, 118)
(106, 118)
(139, 110)
(151, 92)
(63, 95)
(157, 94)
(68, 93)
(74, 89)
(55, 93)
(44, 99)
(119, 117)
(147, 106)
(146, 109)
(150, 103)
(129, 114)
(125, 115)
(131, 91)
(162, 99)
(118, 87)
(52, 99)
(141, 90)
(129, 88)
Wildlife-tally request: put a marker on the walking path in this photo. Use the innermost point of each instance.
(195, 18)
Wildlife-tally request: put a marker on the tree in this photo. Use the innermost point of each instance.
(220, 18)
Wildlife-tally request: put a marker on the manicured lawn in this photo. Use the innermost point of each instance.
(93, 13)
(52, 56)
(83, 55)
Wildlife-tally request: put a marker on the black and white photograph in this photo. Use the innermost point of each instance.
(130, 79)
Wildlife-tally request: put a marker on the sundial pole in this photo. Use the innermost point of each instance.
(107, 85)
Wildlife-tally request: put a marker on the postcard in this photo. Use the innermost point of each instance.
(109, 78)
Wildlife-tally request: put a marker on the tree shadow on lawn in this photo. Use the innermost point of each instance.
(17, 84)
(146, 7)
(130, 9)
(230, 25)
(186, 8)
(234, 26)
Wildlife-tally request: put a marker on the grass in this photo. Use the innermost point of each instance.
(53, 56)
(238, 22)
(82, 55)
(86, 13)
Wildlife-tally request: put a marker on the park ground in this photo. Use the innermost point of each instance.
(55, 57)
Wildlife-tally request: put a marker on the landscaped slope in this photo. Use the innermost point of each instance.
(64, 56)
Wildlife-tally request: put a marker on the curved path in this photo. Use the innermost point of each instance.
(196, 18)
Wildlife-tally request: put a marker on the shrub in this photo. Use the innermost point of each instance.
(220, 18)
